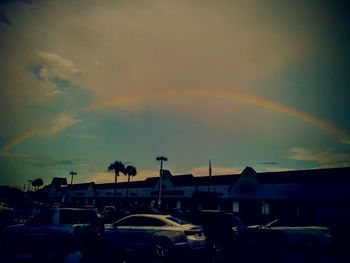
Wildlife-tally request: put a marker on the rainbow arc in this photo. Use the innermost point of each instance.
(161, 94)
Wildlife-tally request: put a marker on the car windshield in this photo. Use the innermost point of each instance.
(177, 220)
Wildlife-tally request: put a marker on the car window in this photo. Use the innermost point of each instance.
(44, 217)
(141, 221)
(77, 216)
(177, 220)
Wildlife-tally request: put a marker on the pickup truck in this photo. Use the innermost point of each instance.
(51, 234)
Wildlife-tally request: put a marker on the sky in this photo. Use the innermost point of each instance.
(254, 83)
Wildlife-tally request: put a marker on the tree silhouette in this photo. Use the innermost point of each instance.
(117, 167)
(36, 183)
(130, 171)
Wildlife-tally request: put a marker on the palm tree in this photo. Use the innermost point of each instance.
(37, 183)
(130, 171)
(117, 167)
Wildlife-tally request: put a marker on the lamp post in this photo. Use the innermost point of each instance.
(161, 159)
(71, 185)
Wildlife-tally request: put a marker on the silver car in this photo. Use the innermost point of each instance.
(158, 234)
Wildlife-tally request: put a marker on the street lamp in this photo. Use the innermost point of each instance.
(161, 159)
(71, 184)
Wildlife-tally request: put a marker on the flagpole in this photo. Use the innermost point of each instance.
(209, 184)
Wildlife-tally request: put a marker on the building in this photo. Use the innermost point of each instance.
(57, 189)
(303, 196)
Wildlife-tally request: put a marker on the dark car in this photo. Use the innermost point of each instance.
(275, 234)
(51, 234)
(222, 229)
(177, 212)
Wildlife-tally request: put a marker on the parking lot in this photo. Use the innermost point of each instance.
(239, 243)
(252, 255)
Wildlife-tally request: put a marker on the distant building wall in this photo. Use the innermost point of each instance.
(293, 195)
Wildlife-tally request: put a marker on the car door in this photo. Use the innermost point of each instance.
(133, 233)
(121, 234)
(145, 231)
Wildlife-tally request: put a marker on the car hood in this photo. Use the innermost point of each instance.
(300, 228)
(13, 228)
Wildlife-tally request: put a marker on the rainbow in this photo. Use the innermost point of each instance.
(19, 139)
(236, 96)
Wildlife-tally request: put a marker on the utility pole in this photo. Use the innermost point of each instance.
(161, 159)
(71, 185)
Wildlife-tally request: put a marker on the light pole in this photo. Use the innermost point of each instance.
(161, 159)
(29, 182)
(71, 185)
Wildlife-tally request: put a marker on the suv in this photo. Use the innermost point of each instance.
(51, 233)
(222, 229)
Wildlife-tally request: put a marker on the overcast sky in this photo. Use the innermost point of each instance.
(244, 83)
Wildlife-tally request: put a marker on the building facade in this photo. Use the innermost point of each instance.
(304, 196)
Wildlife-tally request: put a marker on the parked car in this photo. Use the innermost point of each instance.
(7, 214)
(50, 235)
(177, 212)
(159, 235)
(223, 230)
(306, 237)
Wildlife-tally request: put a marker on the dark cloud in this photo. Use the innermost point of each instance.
(269, 163)
(5, 20)
(44, 163)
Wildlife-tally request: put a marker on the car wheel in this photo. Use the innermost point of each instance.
(57, 253)
(162, 248)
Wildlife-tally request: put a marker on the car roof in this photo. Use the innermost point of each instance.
(165, 218)
(155, 216)
(160, 216)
